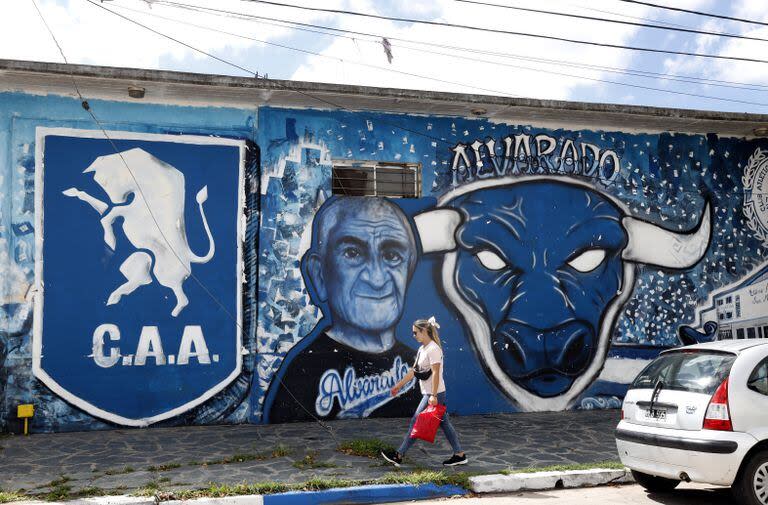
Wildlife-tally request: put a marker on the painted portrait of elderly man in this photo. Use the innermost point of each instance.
(362, 256)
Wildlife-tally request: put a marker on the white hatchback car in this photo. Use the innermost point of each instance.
(700, 413)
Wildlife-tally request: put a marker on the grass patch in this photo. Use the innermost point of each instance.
(59, 489)
(366, 447)
(310, 461)
(61, 492)
(612, 465)
(440, 478)
(59, 482)
(281, 451)
(88, 492)
(164, 468)
(118, 471)
(278, 452)
(235, 458)
(8, 497)
(151, 488)
(58, 493)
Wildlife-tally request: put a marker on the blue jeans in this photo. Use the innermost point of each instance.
(450, 432)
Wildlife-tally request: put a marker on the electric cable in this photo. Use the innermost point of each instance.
(614, 21)
(521, 67)
(341, 107)
(509, 32)
(697, 13)
(308, 27)
(314, 53)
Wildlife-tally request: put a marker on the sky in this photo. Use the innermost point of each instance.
(423, 57)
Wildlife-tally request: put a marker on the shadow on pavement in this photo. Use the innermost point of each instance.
(683, 496)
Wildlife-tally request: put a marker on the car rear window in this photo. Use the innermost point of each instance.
(692, 371)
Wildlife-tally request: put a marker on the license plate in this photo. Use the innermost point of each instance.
(656, 414)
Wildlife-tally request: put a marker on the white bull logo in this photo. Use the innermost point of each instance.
(153, 221)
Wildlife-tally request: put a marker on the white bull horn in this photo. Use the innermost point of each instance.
(437, 229)
(650, 244)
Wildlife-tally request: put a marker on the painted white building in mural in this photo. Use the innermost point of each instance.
(743, 312)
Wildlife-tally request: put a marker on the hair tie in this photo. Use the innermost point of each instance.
(433, 322)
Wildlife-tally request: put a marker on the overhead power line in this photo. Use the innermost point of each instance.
(521, 67)
(307, 51)
(615, 21)
(697, 13)
(509, 32)
(256, 74)
(376, 38)
(627, 16)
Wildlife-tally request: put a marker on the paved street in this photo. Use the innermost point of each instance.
(178, 458)
(686, 494)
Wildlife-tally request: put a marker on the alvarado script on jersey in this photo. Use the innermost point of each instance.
(359, 396)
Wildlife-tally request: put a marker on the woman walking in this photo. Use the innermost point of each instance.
(429, 370)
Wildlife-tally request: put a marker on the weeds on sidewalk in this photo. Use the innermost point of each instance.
(7, 497)
(310, 461)
(278, 452)
(366, 447)
(281, 451)
(316, 484)
(61, 492)
(611, 465)
(164, 468)
(115, 471)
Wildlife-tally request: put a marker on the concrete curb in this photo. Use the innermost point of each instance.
(548, 480)
(380, 493)
(383, 493)
(360, 494)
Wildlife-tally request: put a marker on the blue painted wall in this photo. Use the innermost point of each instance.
(662, 184)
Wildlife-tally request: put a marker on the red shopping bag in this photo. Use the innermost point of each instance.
(427, 423)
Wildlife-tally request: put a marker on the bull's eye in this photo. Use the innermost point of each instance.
(491, 260)
(588, 260)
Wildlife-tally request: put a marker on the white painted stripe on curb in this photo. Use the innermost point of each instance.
(249, 499)
(547, 480)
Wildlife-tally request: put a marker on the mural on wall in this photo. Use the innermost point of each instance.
(736, 311)
(538, 268)
(740, 309)
(560, 261)
(118, 234)
(362, 255)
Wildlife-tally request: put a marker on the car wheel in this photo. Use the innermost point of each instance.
(654, 484)
(751, 488)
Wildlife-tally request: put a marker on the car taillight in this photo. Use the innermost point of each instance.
(718, 417)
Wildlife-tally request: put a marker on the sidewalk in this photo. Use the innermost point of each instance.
(171, 459)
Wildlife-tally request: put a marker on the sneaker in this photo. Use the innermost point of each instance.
(456, 460)
(393, 457)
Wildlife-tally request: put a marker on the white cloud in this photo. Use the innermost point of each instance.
(730, 70)
(484, 77)
(91, 35)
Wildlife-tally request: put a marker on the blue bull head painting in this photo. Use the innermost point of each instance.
(539, 268)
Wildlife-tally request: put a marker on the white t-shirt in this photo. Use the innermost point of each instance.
(429, 355)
